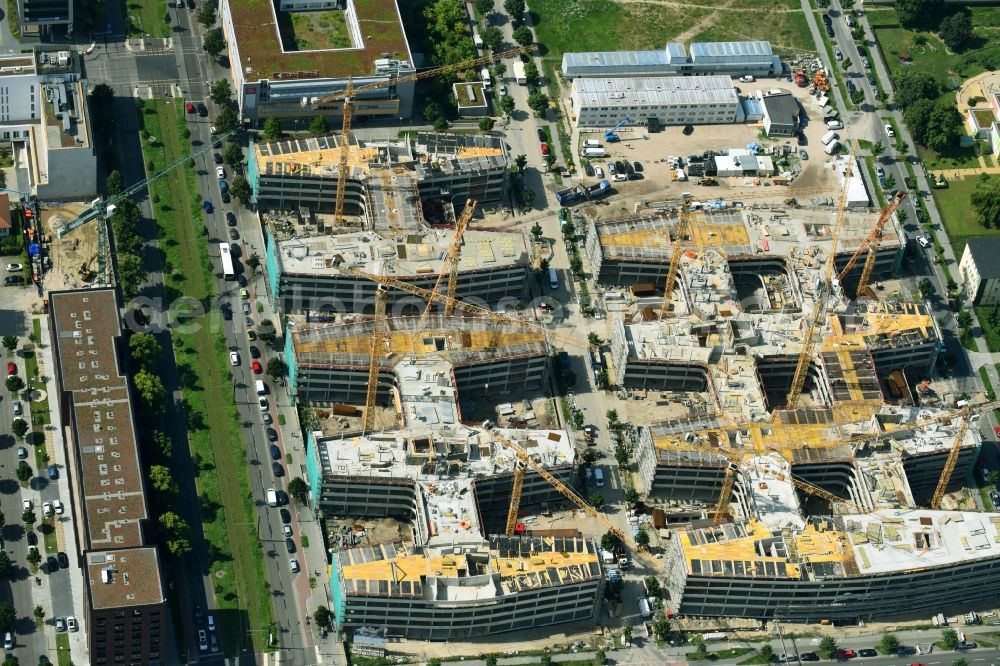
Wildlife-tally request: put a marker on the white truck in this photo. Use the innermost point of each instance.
(519, 74)
(484, 74)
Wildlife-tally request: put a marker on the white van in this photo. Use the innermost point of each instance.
(261, 388)
(272, 497)
(598, 477)
(834, 124)
(553, 278)
(832, 148)
(591, 143)
(746, 78)
(828, 137)
(594, 152)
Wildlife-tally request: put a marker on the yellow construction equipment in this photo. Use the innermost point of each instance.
(675, 258)
(449, 266)
(567, 492)
(952, 460)
(349, 92)
(871, 243)
(379, 342)
(822, 295)
(515, 499)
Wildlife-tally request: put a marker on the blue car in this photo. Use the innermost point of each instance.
(53, 472)
(207, 205)
(223, 185)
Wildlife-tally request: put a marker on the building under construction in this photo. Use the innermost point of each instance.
(319, 275)
(392, 184)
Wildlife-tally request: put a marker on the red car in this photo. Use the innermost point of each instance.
(11, 368)
(257, 369)
(545, 149)
(189, 107)
(845, 654)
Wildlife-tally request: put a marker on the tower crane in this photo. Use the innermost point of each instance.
(377, 348)
(871, 242)
(952, 460)
(349, 93)
(675, 259)
(450, 264)
(822, 295)
(524, 462)
(100, 206)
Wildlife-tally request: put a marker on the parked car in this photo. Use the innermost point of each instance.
(542, 136)
(71, 623)
(58, 507)
(286, 517)
(189, 107)
(272, 435)
(13, 279)
(32, 538)
(22, 453)
(220, 173)
(293, 564)
(53, 472)
(63, 560)
(842, 655)
(202, 110)
(275, 452)
(14, 268)
(263, 404)
(60, 624)
(47, 509)
(545, 148)
(809, 656)
(11, 368)
(17, 408)
(234, 358)
(217, 158)
(207, 206)
(867, 652)
(278, 470)
(286, 530)
(234, 234)
(803, 154)
(965, 645)
(290, 545)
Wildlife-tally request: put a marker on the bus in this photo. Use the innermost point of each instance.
(227, 261)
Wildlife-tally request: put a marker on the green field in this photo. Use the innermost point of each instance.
(787, 31)
(235, 551)
(148, 18)
(959, 220)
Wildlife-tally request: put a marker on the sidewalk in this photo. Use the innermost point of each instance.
(55, 446)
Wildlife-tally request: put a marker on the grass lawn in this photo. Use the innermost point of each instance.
(48, 530)
(148, 17)
(990, 333)
(959, 220)
(213, 424)
(40, 415)
(309, 31)
(969, 342)
(62, 647)
(755, 659)
(987, 384)
(787, 31)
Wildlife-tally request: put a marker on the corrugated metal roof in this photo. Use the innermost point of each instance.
(615, 59)
(731, 49)
(656, 90)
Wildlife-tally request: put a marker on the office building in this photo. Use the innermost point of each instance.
(275, 77)
(125, 596)
(43, 18)
(980, 269)
(674, 100)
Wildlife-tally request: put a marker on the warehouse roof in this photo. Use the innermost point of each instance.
(665, 90)
(755, 50)
(984, 251)
(781, 109)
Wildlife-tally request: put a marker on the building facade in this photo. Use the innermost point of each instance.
(981, 271)
(39, 17)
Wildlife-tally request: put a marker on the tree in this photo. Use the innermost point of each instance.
(131, 275)
(917, 116)
(150, 388)
(14, 383)
(9, 343)
(621, 456)
(214, 42)
(521, 162)
(241, 189)
(944, 127)
(609, 542)
(631, 495)
(523, 35)
(5, 564)
(103, 96)
(484, 7)
(39, 614)
(491, 660)
(430, 112)
(3, 520)
(176, 534)
(28, 517)
(926, 287)
(446, 28)
(878, 148)
(600, 657)
(323, 617)
(916, 13)
(612, 416)
(253, 261)
(888, 644)
(19, 427)
(700, 650)
(890, 182)
(956, 30)
(276, 368)
(144, 349)
(226, 121)
(33, 557)
(603, 378)
(827, 647)
(221, 92)
(661, 627)
(486, 124)
(299, 491)
(653, 588)
(950, 638)
(546, 659)
(7, 616)
(318, 126)
(233, 157)
(507, 105)
(492, 37)
(515, 9)
(272, 129)
(593, 339)
(531, 72)
(24, 471)
(440, 124)
(642, 539)
(206, 15)
(596, 500)
(162, 479)
(913, 86)
(766, 652)
(114, 183)
(539, 103)
(964, 320)
(985, 201)
(960, 662)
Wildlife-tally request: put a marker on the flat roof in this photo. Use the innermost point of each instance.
(418, 254)
(124, 578)
(984, 251)
(86, 330)
(662, 90)
(380, 28)
(750, 50)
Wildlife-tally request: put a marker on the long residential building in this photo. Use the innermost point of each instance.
(672, 100)
(388, 180)
(753, 58)
(319, 275)
(274, 78)
(125, 596)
